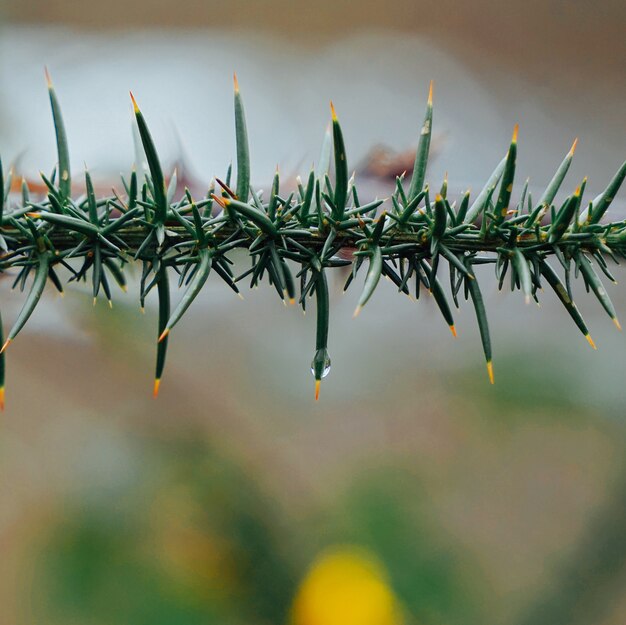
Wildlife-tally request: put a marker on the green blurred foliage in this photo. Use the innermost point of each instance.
(190, 540)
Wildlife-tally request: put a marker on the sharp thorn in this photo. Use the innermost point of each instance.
(135, 107)
(333, 112)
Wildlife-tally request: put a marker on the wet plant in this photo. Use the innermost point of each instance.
(295, 238)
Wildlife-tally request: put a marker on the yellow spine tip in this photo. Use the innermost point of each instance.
(438, 198)
(6, 344)
(590, 341)
(1, 397)
(292, 301)
(490, 371)
(357, 312)
(453, 330)
(430, 93)
(222, 201)
(163, 335)
(515, 131)
(318, 383)
(48, 79)
(135, 107)
(110, 303)
(34, 215)
(577, 192)
(94, 301)
(573, 148)
(235, 82)
(124, 288)
(618, 325)
(240, 296)
(155, 390)
(142, 310)
(333, 112)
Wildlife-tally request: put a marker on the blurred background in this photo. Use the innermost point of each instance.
(413, 492)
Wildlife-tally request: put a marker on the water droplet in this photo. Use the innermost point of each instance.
(320, 365)
(326, 370)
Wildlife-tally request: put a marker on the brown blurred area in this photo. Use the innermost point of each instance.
(534, 38)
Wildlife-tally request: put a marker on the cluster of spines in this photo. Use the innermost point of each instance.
(405, 242)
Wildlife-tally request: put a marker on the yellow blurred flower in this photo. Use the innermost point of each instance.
(346, 586)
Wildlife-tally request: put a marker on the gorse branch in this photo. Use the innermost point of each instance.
(319, 225)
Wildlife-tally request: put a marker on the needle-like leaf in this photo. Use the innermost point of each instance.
(65, 180)
(243, 149)
(341, 168)
(423, 148)
(154, 164)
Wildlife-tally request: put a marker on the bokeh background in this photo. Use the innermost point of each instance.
(413, 491)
